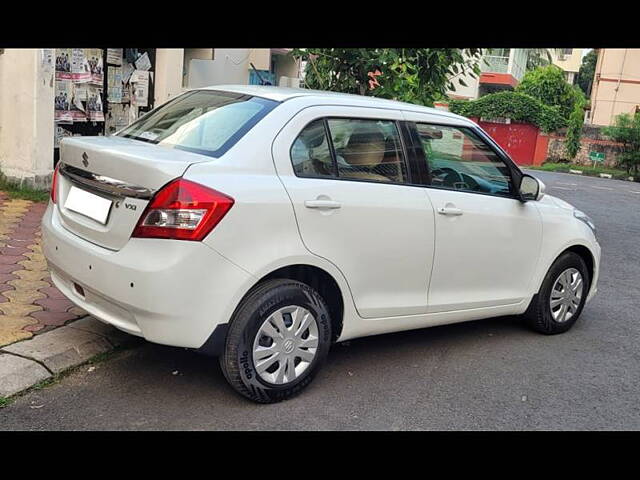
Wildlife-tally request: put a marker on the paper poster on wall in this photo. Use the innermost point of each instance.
(114, 56)
(47, 60)
(59, 134)
(143, 63)
(62, 100)
(133, 114)
(117, 118)
(96, 69)
(140, 81)
(79, 66)
(78, 111)
(63, 64)
(126, 93)
(114, 84)
(94, 104)
(127, 71)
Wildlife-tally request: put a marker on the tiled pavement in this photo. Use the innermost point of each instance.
(29, 303)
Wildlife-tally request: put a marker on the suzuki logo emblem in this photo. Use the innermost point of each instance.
(85, 159)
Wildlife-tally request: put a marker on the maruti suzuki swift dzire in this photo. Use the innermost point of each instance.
(261, 225)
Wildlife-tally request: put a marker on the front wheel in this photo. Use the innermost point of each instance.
(278, 339)
(558, 304)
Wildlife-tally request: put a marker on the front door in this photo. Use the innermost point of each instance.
(487, 241)
(346, 173)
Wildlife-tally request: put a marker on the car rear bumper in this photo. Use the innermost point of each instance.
(167, 291)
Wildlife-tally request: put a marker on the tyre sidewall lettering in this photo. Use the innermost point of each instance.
(248, 373)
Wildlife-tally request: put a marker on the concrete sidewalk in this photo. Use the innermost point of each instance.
(40, 331)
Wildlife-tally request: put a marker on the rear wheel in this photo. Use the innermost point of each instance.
(278, 338)
(558, 304)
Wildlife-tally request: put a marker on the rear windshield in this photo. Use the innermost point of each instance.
(202, 121)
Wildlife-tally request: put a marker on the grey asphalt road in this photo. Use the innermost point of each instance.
(491, 374)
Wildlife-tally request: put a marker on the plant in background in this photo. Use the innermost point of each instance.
(548, 85)
(538, 57)
(516, 106)
(576, 119)
(587, 71)
(414, 75)
(626, 130)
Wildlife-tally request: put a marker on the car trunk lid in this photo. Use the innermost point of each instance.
(123, 171)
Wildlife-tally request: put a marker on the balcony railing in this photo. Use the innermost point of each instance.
(495, 64)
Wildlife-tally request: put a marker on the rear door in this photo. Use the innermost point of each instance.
(346, 173)
(487, 241)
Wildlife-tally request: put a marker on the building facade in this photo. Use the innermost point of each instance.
(616, 85)
(501, 69)
(569, 60)
(30, 95)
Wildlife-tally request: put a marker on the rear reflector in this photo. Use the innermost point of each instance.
(183, 210)
(54, 184)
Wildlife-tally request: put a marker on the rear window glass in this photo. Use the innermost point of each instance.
(203, 121)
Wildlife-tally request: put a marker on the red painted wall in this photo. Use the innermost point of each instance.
(517, 139)
(522, 141)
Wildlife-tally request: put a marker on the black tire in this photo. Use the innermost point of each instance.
(236, 360)
(538, 316)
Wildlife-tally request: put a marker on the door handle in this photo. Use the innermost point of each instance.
(450, 211)
(328, 204)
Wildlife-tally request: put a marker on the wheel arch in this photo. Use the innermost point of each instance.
(321, 281)
(585, 254)
(578, 248)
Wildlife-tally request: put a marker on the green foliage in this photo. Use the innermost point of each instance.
(514, 105)
(587, 71)
(548, 85)
(626, 130)
(574, 132)
(414, 75)
(538, 57)
(17, 191)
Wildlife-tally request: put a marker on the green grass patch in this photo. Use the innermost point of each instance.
(21, 192)
(4, 401)
(586, 170)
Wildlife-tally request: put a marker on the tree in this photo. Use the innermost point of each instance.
(539, 57)
(548, 85)
(587, 71)
(576, 119)
(626, 130)
(414, 75)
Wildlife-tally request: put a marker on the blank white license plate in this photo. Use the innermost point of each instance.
(88, 204)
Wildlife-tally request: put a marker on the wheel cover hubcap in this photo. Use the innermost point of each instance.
(285, 345)
(566, 295)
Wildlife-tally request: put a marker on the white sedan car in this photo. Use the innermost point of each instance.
(262, 224)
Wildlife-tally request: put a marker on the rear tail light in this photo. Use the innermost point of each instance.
(183, 210)
(54, 184)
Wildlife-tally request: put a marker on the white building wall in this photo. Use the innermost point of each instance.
(27, 92)
(26, 116)
(168, 74)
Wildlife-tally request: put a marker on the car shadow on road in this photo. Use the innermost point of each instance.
(373, 352)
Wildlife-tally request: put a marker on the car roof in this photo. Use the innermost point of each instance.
(282, 94)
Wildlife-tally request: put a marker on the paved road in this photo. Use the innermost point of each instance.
(491, 374)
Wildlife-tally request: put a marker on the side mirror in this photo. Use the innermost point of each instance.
(531, 188)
